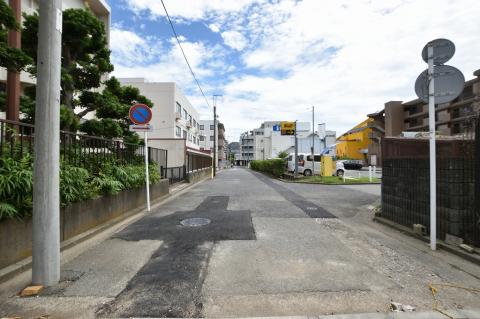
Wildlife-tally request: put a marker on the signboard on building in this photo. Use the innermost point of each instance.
(276, 128)
(287, 128)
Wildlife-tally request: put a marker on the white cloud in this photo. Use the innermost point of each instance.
(234, 39)
(345, 57)
(188, 9)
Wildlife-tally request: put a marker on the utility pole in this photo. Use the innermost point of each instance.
(433, 152)
(296, 151)
(13, 76)
(46, 194)
(313, 140)
(215, 134)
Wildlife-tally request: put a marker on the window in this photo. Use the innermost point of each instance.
(211, 128)
(184, 134)
(178, 131)
(185, 114)
(212, 137)
(189, 118)
(179, 108)
(202, 127)
(202, 138)
(189, 137)
(194, 124)
(194, 140)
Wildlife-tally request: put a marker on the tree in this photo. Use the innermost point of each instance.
(10, 58)
(85, 53)
(111, 107)
(283, 155)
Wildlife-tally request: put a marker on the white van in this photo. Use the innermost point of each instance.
(305, 164)
(291, 163)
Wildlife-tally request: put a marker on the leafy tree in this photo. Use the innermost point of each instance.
(111, 107)
(10, 58)
(283, 155)
(85, 53)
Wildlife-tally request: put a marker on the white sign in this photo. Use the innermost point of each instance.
(141, 128)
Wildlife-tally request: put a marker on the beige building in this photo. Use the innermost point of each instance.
(450, 118)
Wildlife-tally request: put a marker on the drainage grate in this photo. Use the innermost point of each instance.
(195, 222)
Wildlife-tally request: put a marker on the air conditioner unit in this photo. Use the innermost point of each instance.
(178, 116)
(189, 125)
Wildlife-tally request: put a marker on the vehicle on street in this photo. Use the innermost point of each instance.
(291, 163)
(344, 165)
(306, 168)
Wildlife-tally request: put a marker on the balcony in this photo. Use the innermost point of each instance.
(189, 125)
(178, 116)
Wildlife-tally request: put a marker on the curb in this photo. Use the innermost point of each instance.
(474, 258)
(11, 271)
(313, 183)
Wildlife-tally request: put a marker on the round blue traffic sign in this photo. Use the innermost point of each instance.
(140, 114)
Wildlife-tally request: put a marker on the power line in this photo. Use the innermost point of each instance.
(183, 52)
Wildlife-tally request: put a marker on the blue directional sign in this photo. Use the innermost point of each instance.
(276, 128)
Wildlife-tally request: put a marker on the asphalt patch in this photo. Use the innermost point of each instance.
(170, 283)
(309, 208)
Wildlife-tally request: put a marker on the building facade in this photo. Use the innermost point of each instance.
(173, 117)
(451, 118)
(207, 138)
(267, 141)
(354, 143)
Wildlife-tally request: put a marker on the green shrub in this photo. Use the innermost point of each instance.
(274, 167)
(75, 185)
(16, 187)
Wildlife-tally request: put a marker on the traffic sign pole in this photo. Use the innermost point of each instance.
(147, 176)
(433, 168)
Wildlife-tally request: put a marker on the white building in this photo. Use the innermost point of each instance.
(173, 117)
(267, 142)
(207, 139)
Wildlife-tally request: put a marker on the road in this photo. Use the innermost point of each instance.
(270, 249)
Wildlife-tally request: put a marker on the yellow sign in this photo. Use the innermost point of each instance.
(287, 128)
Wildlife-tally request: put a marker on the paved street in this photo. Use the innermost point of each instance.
(270, 249)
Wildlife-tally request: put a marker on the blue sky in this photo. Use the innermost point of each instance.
(274, 59)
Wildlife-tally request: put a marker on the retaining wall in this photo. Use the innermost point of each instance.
(198, 175)
(16, 235)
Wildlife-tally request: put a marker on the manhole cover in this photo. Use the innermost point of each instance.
(311, 208)
(195, 222)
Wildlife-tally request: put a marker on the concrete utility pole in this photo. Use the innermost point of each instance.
(313, 140)
(13, 77)
(296, 151)
(433, 152)
(46, 194)
(215, 134)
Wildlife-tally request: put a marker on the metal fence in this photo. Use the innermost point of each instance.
(195, 161)
(406, 189)
(17, 141)
(175, 174)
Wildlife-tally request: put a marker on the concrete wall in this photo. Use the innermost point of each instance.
(16, 235)
(394, 116)
(201, 174)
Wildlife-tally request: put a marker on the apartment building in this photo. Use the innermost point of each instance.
(207, 139)
(99, 8)
(450, 118)
(173, 117)
(267, 142)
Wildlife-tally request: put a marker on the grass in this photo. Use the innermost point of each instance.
(334, 180)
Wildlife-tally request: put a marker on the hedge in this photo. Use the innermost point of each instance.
(274, 167)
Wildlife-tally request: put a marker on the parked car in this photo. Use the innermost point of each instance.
(306, 168)
(291, 163)
(305, 164)
(342, 165)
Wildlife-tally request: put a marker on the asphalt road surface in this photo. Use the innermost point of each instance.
(267, 248)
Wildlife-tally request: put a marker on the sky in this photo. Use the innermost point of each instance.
(275, 59)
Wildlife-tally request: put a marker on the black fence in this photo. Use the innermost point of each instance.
(406, 184)
(175, 174)
(17, 141)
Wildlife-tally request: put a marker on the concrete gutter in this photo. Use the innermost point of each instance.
(11, 271)
(474, 258)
